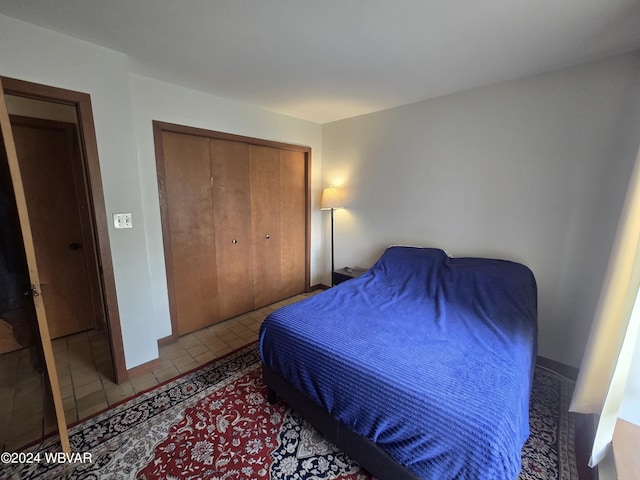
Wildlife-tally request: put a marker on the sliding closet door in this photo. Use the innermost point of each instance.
(190, 252)
(235, 222)
(265, 224)
(232, 221)
(278, 218)
(293, 214)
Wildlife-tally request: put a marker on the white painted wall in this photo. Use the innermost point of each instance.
(38, 55)
(156, 100)
(123, 107)
(533, 170)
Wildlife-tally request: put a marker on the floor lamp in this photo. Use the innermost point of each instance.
(332, 198)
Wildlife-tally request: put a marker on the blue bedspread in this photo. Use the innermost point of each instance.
(428, 356)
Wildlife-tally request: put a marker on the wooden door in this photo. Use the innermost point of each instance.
(49, 156)
(266, 224)
(232, 221)
(293, 214)
(188, 214)
(8, 144)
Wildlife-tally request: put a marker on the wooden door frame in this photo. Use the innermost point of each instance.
(160, 127)
(89, 147)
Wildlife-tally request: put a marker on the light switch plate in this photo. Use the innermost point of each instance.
(122, 220)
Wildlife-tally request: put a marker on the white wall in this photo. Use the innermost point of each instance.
(38, 55)
(533, 170)
(156, 100)
(123, 107)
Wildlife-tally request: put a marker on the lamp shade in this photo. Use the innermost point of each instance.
(332, 197)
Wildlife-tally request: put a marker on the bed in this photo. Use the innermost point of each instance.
(419, 369)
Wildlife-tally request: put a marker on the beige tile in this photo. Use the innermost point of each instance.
(101, 353)
(91, 409)
(95, 398)
(216, 344)
(204, 357)
(259, 316)
(202, 335)
(197, 350)
(66, 391)
(109, 385)
(164, 363)
(88, 389)
(61, 358)
(143, 379)
(24, 421)
(226, 336)
(121, 393)
(64, 380)
(141, 386)
(15, 443)
(189, 341)
(63, 370)
(237, 342)
(172, 351)
(249, 333)
(60, 345)
(166, 374)
(71, 415)
(81, 380)
(187, 367)
(69, 403)
(268, 309)
(223, 351)
(247, 320)
(182, 361)
(238, 328)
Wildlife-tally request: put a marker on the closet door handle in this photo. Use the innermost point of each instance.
(234, 241)
(267, 236)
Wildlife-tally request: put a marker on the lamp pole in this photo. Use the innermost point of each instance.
(332, 264)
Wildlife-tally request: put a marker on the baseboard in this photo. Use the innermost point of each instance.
(144, 368)
(565, 370)
(168, 340)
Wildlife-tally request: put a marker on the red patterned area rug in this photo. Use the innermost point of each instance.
(215, 423)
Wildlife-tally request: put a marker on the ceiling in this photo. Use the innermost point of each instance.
(332, 59)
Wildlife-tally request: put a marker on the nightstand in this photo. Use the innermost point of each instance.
(345, 274)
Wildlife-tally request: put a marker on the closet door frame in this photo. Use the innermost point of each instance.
(159, 128)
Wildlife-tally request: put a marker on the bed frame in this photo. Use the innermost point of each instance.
(362, 450)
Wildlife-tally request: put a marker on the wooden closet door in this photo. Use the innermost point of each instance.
(232, 220)
(293, 214)
(264, 163)
(191, 268)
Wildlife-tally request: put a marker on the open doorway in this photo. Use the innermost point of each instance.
(55, 140)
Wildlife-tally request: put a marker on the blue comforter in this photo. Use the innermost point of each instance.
(430, 357)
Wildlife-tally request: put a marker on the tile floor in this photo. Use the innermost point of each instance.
(86, 378)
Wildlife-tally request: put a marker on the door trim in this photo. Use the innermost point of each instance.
(88, 144)
(160, 127)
